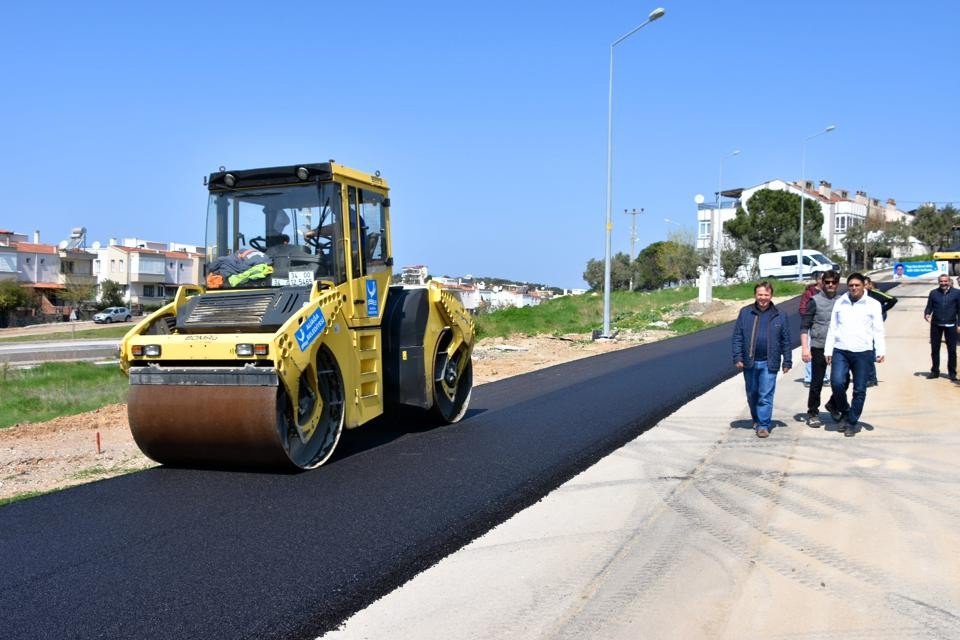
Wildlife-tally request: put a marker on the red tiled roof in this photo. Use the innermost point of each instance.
(154, 252)
(29, 247)
(44, 285)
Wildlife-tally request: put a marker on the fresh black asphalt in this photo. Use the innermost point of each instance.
(185, 553)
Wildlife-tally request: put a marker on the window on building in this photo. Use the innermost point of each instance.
(149, 291)
(704, 231)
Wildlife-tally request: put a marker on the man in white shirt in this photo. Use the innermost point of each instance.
(856, 329)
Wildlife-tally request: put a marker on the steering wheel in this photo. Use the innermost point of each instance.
(259, 243)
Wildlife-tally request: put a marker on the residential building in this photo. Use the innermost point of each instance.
(148, 272)
(840, 213)
(414, 275)
(8, 254)
(56, 275)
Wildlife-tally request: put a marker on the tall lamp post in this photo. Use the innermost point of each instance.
(803, 192)
(633, 239)
(718, 230)
(656, 14)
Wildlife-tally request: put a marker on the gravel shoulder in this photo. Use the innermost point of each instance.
(72, 450)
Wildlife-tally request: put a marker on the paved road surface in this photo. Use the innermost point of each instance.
(698, 529)
(172, 553)
(20, 352)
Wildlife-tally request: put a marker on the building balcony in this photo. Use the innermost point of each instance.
(73, 279)
(724, 204)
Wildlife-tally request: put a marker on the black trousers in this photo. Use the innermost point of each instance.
(818, 369)
(950, 333)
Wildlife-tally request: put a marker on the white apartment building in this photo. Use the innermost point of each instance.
(149, 272)
(840, 213)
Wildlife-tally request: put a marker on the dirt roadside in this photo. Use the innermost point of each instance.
(71, 450)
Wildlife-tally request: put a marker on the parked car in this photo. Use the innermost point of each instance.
(112, 314)
(783, 264)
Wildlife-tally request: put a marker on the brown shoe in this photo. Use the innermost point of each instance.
(762, 433)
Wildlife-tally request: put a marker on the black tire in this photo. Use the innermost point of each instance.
(109, 320)
(452, 382)
(318, 449)
(127, 319)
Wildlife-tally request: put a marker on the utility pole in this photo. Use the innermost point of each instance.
(633, 240)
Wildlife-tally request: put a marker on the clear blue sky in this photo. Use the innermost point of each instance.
(488, 119)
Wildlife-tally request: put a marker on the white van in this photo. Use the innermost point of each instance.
(783, 264)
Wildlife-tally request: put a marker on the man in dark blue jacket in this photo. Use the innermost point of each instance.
(761, 346)
(943, 314)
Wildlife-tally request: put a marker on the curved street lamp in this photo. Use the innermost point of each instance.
(718, 231)
(803, 191)
(656, 14)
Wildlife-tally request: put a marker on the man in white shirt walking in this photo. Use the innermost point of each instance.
(856, 329)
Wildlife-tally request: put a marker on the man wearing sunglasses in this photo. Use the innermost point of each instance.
(855, 337)
(814, 323)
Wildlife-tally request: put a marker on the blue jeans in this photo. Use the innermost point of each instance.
(760, 383)
(857, 363)
(872, 376)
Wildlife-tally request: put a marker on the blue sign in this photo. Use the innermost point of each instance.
(373, 300)
(310, 329)
(914, 269)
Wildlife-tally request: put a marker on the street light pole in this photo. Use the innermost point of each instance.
(717, 229)
(656, 14)
(803, 191)
(633, 239)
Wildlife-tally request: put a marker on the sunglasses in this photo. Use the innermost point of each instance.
(829, 282)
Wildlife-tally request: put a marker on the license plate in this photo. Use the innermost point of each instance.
(300, 278)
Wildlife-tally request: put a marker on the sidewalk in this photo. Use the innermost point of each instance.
(699, 529)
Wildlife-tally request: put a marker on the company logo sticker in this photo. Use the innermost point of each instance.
(310, 329)
(373, 301)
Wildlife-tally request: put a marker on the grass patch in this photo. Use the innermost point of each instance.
(58, 389)
(687, 324)
(80, 334)
(744, 290)
(26, 495)
(91, 472)
(634, 310)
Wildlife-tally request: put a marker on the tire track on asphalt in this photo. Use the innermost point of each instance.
(774, 478)
(935, 619)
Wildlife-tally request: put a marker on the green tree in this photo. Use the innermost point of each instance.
(12, 296)
(667, 261)
(111, 294)
(875, 238)
(771, 222)
(76, 294)
(731, 259)
(934, 227)
(620, 271)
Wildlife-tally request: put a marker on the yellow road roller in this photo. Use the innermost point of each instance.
(296, 332)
